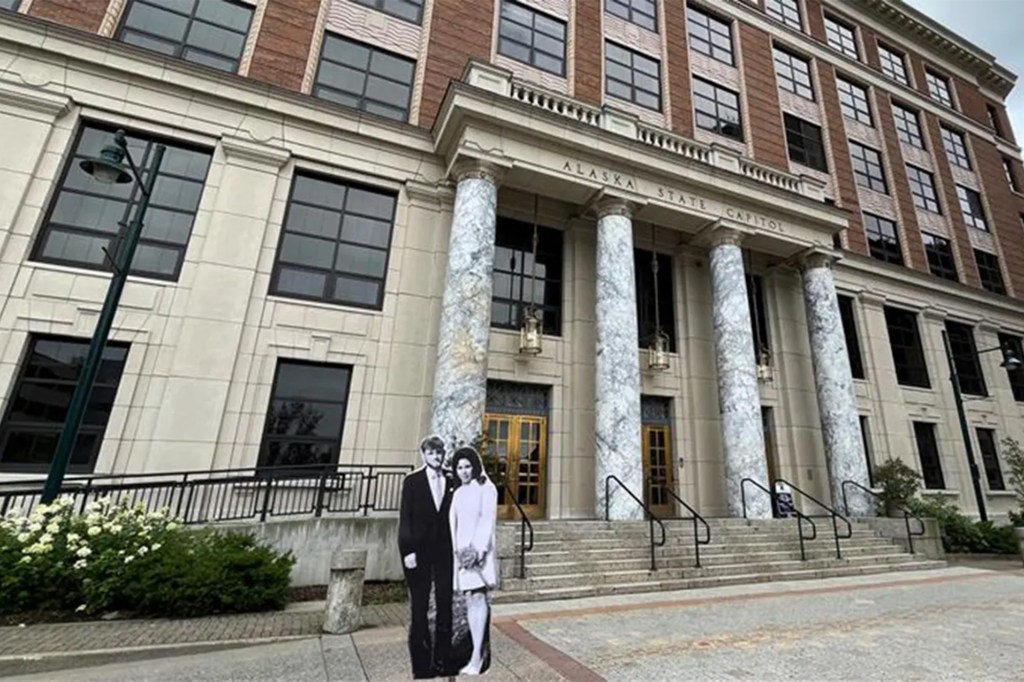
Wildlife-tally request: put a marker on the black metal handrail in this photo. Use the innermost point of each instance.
(906, 513)
(524, 524)
(832, 512)
(651, 518)
(800, 516)
(697, 541)
(250, 494)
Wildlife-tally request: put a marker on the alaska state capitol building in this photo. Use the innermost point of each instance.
(676, 241)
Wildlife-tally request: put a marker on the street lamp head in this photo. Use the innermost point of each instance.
(108, 167)
(1010, 360)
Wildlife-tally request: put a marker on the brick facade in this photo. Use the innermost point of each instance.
(763, 118)
(86, 15)
(899, 186)
(842, 168)
(461, 31)
(282, 47)
(679, 67)
(1005, 206)
(589, 48)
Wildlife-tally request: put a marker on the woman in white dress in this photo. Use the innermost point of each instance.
(472, 517)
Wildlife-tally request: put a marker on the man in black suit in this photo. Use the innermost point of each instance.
(425, 542)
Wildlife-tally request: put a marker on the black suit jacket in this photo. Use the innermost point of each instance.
(423, 529)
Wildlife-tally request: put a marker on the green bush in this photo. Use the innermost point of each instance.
(961, 534)
(899, 484)
(115, 557)
(1013, 453)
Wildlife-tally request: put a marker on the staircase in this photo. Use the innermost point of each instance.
(590, 558)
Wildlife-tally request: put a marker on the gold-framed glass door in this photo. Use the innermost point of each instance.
(658, 470)
(520, 443)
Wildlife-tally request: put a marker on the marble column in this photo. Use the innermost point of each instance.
(739, 399)
(617, 408)
(837, 402)
(460, 379)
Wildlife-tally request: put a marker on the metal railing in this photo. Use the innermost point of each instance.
(651, 518)
(836, 516)
(906, 513)
(524, 524)
(252, 494)
(697, 541)
(800, 516)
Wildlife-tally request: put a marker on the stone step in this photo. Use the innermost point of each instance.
(542, 582)
(687, 536)
(654, 585)
(745, 544)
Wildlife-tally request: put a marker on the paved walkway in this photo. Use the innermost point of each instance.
(955, 623)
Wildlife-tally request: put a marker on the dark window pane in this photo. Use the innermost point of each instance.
(965, 359)
(805, 143)
(883, 239)
(409, 10)
(786, 11)
(905, 343)
(990, 459)
(640, 12)
(989, 272)
(867, 168)
(846, 313)
(928, 451)
(941, 262)
(709, 34)
(532, 37)
(512, 275)
(645, 298)
(364, 77)
(717, 109)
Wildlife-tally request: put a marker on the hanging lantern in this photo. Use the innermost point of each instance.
(657, 353)
(532, 329)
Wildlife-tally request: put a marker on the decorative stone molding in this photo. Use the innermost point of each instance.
(17, 96)
(427, 192)
(466, 168)
(812, 187)
(872, 299)
(607, 205)
(725, 158)
(817, 258)
(238, 148)
(724, 235)
(488, 77)
(618, 121)
(934, 314)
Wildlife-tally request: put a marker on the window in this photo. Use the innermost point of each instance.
(941, 262)
(786, 11)
(40, 398)
(794, 73)
(709, 35)
(1016, 377)
(993, 119)
(805, 144)
(965, 358)
(867, 168)
(866, 441)
(908, 127)
(841, 36)
(850, 332)
(883, 239)
(10, 4)
(938, 88)
(928, 451)
(631, 76)
(893, 64)
(84, 216)
(922, 187)
(211, 32)
(645, 297)
(640, 12)
(410, 10)
(990, 459)
(989, 272)
(758, 315)
(905, 342)
(853, 99)
(717, 109)
(1011, 177)
(334, 244)
(306, 415)
(956, 148)
(970, 208)
(532, 37)
(364, 77)
(513, 266)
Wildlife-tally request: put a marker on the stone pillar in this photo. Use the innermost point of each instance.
(460, 380)
(343, 608)
(837, 402)
(617, 408)
(739, 400)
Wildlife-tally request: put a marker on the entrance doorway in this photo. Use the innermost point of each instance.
(771, 452)
(516, 427)
(659, 468)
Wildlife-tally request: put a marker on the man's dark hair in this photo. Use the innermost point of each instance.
(473, 457)
(432, 443)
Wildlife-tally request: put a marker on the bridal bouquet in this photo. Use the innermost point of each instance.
(468, 558)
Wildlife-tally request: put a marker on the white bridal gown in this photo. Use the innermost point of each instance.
(472, 519)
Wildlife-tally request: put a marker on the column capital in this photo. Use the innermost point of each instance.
(817, 258)
(725, 236)
(612, 205)
(468, 168)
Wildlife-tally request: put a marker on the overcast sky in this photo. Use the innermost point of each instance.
(996, 26)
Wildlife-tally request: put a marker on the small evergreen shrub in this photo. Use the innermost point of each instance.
(1013, 453)
(899, 484)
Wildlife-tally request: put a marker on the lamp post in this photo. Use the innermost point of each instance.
(1010, 362)
(108, 168)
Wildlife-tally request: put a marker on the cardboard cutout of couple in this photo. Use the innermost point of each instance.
(446, 536)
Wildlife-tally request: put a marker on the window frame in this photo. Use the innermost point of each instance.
(868, 165)
(381, 6)
(923, 193)
(910, 348)
(710, 19)
(929, 456)
(848, 317)
(15, 5)
(993, 118)
(532, 48)
(971, 208)
(883, 244)
(633, 56)
(990, 274)
(955, 144)
(964, 351)
(789, 82)
(908, 125)
(191, 19)
(546, 246)
(939, 88)
(990, 458)
(131, 204)
(865, 439)
(814, 158)
(361, 98)
(785, 12)
(718, 130)
(331, 274)
(854, 101)
(888, 56)
(1011, 176)
(52, 427)
(333, 441)
(941, 259)
(836, 39)
(631, 13)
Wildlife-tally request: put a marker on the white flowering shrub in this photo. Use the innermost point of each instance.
(118, 557)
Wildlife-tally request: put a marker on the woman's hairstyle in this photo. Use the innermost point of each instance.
(473, 458)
